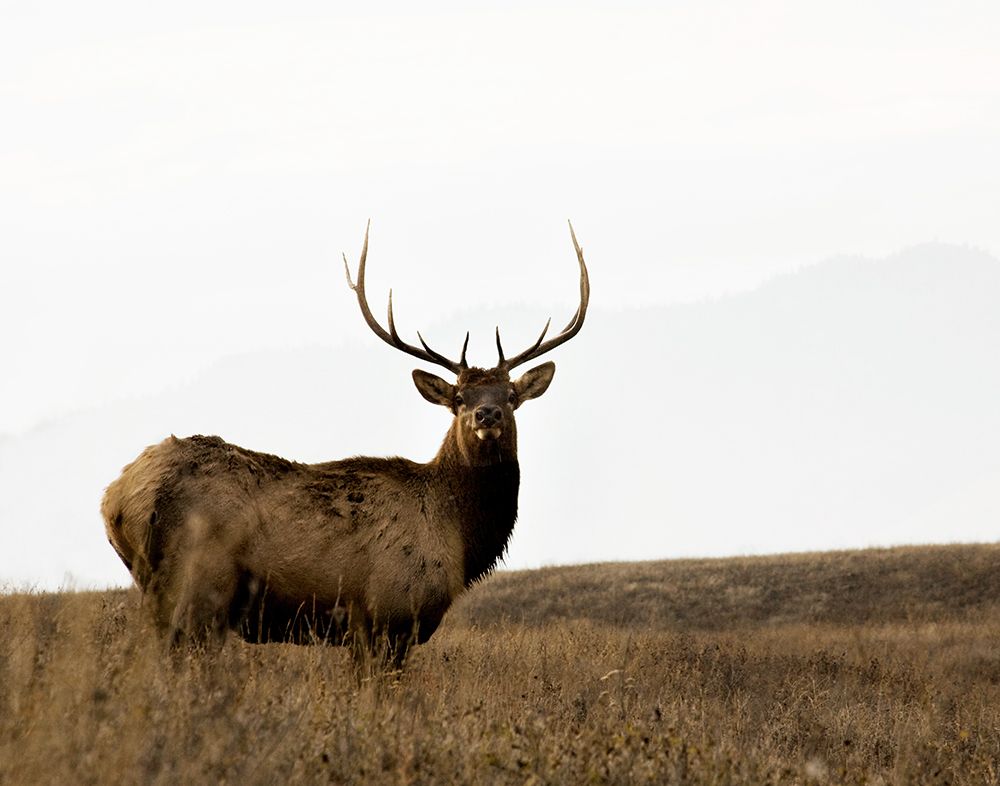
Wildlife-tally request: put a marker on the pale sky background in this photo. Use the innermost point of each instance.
(177, 184)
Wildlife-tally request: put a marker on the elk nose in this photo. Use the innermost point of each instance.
(488, 415)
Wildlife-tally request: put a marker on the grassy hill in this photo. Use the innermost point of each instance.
(875, 586)
(876, 666)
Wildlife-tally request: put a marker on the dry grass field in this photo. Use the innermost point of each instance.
(878, 667)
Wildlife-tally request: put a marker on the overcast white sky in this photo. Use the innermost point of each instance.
(177, 183)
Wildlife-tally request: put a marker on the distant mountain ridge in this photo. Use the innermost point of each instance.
(851, 403)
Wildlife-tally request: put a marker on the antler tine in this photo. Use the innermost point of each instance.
(462, 362)
(440, 359)
(571, 329)
(532, 348)
(392, 337)
(396, 340)
(500, 349)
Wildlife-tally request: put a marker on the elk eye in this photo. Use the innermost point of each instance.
(511, 397)
(459, 400)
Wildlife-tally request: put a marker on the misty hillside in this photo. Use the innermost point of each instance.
(853, 403)
(852, 400)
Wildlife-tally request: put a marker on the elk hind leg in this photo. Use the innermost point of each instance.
(207, 580)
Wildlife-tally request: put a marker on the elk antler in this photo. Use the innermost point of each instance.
(538, 348)
(392, 337)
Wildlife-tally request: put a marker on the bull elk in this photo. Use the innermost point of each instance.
(353, 551)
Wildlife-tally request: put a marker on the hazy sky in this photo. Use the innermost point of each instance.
(178, 182)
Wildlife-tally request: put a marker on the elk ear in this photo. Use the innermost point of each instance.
(534, 382)
(434, 389)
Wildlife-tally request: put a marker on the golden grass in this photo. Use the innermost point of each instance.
(877, 667)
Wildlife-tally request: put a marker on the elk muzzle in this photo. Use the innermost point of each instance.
(488, 421)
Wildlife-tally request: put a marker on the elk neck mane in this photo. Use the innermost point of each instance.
(485, 499)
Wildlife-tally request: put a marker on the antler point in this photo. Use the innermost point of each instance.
(347, 272)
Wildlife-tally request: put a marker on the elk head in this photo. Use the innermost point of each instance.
(482, 400)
